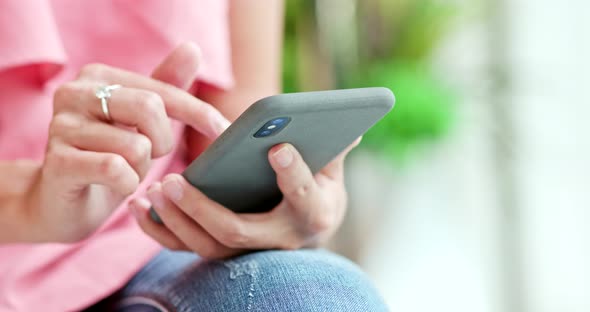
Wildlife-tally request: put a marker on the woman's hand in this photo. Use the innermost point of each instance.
(311, 210)
(92, 164)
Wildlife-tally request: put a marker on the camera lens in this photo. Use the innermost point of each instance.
(272, 127)
(278, 121)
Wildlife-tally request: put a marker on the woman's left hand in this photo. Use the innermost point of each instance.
(311, 211)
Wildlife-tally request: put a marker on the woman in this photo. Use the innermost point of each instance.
(87, 145)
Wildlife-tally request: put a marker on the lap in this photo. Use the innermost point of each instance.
(302, 280)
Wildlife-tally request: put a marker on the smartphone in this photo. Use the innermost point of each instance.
(234, 170)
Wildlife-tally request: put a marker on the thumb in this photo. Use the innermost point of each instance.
(180, 67)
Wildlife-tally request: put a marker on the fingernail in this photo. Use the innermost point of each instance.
(155, 195)
(172, 189)
(218, 123)
(284, 156)
(357, 141)
(142, 203)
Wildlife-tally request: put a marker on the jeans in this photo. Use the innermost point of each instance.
(301, 280)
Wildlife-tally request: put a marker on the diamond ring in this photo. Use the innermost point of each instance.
(104, 93)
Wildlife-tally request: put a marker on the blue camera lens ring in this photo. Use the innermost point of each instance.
(278, 121)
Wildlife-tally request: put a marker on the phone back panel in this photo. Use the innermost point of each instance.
(234, 170)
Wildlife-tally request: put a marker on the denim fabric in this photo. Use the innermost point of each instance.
(302, 280)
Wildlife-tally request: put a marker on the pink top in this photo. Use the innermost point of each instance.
(43, 43)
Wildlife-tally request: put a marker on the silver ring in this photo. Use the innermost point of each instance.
(104, 93)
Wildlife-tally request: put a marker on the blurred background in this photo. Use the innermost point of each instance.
(474, 193)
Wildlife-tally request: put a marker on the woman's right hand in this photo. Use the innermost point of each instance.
(92, 164)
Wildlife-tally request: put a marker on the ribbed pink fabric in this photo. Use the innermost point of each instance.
(43, 43)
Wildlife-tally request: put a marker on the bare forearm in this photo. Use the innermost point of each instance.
(256, 40)
(16, 179)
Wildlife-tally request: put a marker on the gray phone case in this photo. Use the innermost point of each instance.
(234, 170)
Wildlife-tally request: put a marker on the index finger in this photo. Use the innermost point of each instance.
(179, 104)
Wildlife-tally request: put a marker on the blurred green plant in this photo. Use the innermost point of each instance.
(293, 13)
(394, 41)
(423, 111)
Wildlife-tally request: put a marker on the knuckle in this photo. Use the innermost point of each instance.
(95, 70)
(132, 186)
(301, 190)
(54, 158)
(153, 110)
(321, 223)
(164, 148)
(194, 209)
(139, 149)
(63, 94)
(112, 166)
(235, 236)
(150, 103)
(129, 189)
(63, 124)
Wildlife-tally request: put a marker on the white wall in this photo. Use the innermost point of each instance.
(434, 243)
(442, 235)
(549, 48)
